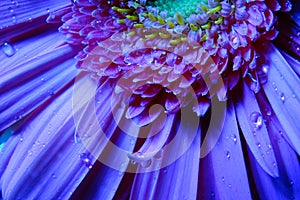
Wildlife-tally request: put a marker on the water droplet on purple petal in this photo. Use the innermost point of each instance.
(8, 49)
(256, 120)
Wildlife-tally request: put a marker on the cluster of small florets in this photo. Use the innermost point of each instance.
(212, 41)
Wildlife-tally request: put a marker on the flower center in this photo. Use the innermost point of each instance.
(184, 7)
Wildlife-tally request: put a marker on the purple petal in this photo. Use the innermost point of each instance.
(254, 130)
(171, 181)
(282, 91)
(294, 63)
(228, 155)
(287, 186)
(46, 162)
(20, 17)
(27, 86)
(103, 141)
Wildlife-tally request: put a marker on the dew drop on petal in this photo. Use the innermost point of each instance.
(53, 176)
(228, 155)
(282, 97)
(146, 163)
(268, 112)
(234, 139)
(159, 154)
(86, 160)
(265, 69)
(141, 159)
(122, 168)
(258, 145)
(256, 119)
(8, 49)
(14, 19)
(132, 141)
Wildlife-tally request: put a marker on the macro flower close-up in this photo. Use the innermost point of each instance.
(149, 99)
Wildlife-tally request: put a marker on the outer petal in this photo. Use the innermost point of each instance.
(254, 130)
(288, 183)
(178, 177)
(25, 87)
(46, 162)
(20, 17)
(294, 63)
(282, 91)
(97, 129)
(227, 161)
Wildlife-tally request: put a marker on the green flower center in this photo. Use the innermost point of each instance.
(184, 7)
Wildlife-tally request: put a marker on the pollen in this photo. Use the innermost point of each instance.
(163, 35)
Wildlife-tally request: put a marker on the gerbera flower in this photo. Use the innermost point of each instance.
(169, 100)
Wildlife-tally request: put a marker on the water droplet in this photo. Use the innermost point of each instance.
(146, 163)
(281, 133)
(132, 141)
(122, 168)
(258, 145)
(53, 176)
(21, 139)
(133, 162)
(87, 161)
(293, 95)
(29, 152)
(265, 69)
(51, 93)
(256, 119)
(18, 117)
(14, 19)
(228, 155)
(282, 97)
(158, 155)
(212, 194)
(8, 49)
(268, 112)
(141, 158)
(223, 179)
(234, 139)
(229, 185)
